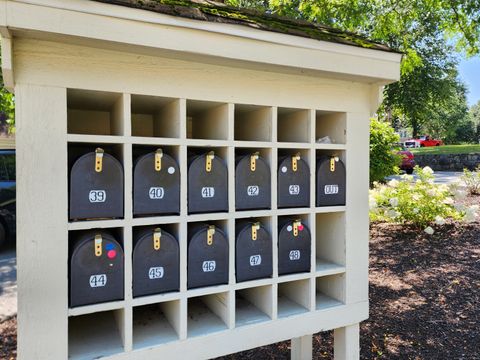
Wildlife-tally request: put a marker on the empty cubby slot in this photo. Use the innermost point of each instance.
(207, 120)
(253, 305)
(293, 298)
(155, 116)
(95, 112)
(330, 242)
(253, 123)
(156, 324)
(207, 314)
(97, 335)
(330, 127)
(293, 125)
(330, 291)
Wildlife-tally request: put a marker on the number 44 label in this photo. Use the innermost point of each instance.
(99, 280)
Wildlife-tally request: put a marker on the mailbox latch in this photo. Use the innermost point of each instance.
(157, 234)
(255, 228)
(98, 245)
(333, 160)
(158, 159)
(295, 159)
(208, 161)
(253, 161)
(210, 233)
(296, 225)
(98, 159)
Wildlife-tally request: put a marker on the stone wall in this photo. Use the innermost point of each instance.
(450, 162)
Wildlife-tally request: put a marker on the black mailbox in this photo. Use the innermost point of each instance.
(96, 187)
(156, 185)
(96, 269)
(156, 259)
(252, 183)
(207, 257)
(331, 181)
(293, 182)
(294, 247)
(207, 184)
(253, 252)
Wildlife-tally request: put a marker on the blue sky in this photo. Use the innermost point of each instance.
(470, 74)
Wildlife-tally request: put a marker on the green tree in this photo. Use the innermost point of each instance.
(383, 158)
(7, 103)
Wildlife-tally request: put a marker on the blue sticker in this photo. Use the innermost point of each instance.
(110, 246)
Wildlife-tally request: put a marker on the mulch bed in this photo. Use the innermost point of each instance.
(424, 299)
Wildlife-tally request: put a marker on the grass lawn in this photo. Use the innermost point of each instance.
(447, 149)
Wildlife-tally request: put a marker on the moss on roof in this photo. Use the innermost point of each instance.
(206, 10)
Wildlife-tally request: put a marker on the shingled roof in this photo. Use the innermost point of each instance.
(211, 11)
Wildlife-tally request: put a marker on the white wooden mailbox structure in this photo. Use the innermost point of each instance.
(88, 72)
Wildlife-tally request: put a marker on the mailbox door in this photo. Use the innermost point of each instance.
(253, 258)
(331, 181)
(207, 190)
(96, 194)
(293, 186)
(252, 184)
(156, 269)
(207, 264)
(293, 251)
(96, 277)
(156, 191)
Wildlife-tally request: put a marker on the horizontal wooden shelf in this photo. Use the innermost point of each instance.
(95, 308)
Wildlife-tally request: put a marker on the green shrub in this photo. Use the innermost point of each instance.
(419, 202)
(472, 180)
(383, 158)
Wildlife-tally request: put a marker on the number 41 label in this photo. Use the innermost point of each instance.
(208, 192)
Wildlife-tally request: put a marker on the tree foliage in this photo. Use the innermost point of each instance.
(7, 104)
(383, 158)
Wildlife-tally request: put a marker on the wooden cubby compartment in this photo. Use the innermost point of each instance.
(95, 112)
(253, 305)
(293, 125)
(330, 242)
(329, 291)
(154, 116)
(208, 314)
(253, 123)
(207, 120)
(156, 324)
(294, 298)
(331, 124)
(95, 335)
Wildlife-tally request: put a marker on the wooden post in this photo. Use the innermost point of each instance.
(347, 342)
(301, 348)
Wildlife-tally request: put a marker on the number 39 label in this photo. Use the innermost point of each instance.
(97, 196)
(209, 266)
(294, 189)
(99, 280)
(208, 192)
(294, 255)
(155, 273)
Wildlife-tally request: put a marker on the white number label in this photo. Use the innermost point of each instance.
(253, 190)
(208, 192)
(98, 280)
(294, 189)
(294, 255)
(156, 193)
(255, 260)
(97, 196)
(209, 266)
(331, 189)
(155, 273)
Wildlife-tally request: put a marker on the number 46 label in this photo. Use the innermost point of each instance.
(209, 266)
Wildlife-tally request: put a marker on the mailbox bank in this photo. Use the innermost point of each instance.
(169, 75)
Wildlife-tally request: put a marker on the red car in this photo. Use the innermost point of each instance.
(408, 162)
(427, 141)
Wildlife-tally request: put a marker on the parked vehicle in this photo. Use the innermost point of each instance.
(408, 160)
(8, 199)
(422, 141)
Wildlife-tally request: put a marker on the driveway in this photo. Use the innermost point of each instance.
(8, 283)
(441, 177)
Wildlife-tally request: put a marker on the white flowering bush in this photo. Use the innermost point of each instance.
(472, 180)
(419, 202)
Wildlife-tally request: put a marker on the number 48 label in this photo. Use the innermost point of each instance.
(294, 255)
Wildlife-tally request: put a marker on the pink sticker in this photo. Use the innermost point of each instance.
(300, 227)
(111, 254)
